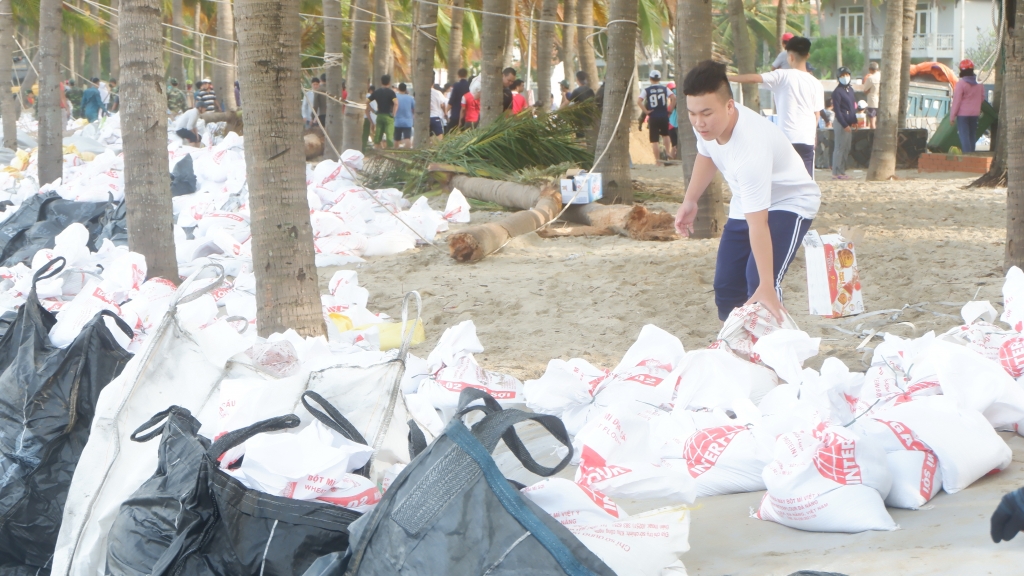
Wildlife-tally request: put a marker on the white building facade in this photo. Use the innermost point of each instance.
(944, 30)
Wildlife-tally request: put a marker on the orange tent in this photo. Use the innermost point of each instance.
(936, 70)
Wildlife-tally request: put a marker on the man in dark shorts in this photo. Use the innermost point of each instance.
(385, 98)
(657, 102)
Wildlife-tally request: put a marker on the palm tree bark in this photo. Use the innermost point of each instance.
(909, 12)
(780, 24)
(51, 126)
(8, 109)
(224, 74)
(882, 165)
(95, 56)
(381, 42)
(455, 40)
(176, 67)
(335, 74)
(144, 129)
(588, 60)
(569, 39)
(866, 45)
(996, 175)
(423, 80)
(287, 293)
(114, 47)
(1013, 125)
(744, 53)
(545, 52)
(358, 75)
(492, 44)
(618, 88)
(694, 28)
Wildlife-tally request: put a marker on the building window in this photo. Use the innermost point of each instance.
(851, 21)
(921, 19)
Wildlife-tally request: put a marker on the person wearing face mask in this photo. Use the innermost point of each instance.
(773, 197)
(844, 106)
(799, 98)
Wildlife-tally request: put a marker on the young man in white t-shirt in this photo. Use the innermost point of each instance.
(799, 98)
(773, 197)
(185, 124)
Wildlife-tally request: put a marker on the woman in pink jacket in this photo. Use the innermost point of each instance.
(967, 98)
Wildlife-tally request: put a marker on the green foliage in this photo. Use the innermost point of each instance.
(510, 145)
(823, 55)
(986, 45)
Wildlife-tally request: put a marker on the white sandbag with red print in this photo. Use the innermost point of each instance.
(828, 479)
(726, 460)
(745, 326)
(453, 369)
(651, 543)
(577, 391)
(619, 454)
(964, 441)
(916, 477)
(714, 377)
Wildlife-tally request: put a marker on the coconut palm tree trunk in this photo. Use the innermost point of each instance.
(223, 71)
(51, 126)
(381, 42)
(869, 6)
(176, 66)
(144, 129)
(545, 52)
(423, 80)
(335, 74)
(114, 47)
(287, 294)
(694, 29)
(510, 33)
(8, 108)
(996, 175)
(618, 91)
(882, 165)
(569, 39)
(455, 40)
(744, 53)
(780, 24)
(358, 75)
(588, 60)
(492, 44)
(909, 12)
(1013, 124)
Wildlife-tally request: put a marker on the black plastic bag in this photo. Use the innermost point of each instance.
(452, 512)
(191, 518)
(183, 177)
(36, 224)
(48, 399)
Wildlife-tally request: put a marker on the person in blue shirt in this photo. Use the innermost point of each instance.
(403, 117)
(673, 124)
(92, 103)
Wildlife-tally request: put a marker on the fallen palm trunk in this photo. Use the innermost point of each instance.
(477, 242)
(636, 222)
(570, 231)
(507, 194)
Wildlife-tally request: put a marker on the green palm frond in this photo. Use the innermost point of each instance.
(507, 146)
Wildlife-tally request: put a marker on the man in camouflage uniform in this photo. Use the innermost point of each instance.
(74, 96)
(176, 101)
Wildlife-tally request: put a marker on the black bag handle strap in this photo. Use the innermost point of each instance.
(49, 270)
(120, 323)
(500, 425)
(140, 434)
(470, 395)
(232, 439)
(417, 440)
(333, 418)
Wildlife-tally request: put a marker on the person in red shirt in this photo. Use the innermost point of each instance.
(470, 113)
(518, 99)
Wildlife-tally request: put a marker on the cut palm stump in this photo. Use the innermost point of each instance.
(540, 206)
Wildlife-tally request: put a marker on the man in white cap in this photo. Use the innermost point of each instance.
(658, 102)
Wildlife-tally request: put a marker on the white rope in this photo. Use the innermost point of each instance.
(332, 59)
(27, 57)
(559, 23)
(340, 19)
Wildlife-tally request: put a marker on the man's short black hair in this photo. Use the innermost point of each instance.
(508, 71)
(95, 80)
(706, 77)
(582, 77)
(113, 80)
(516, 83)
(315, 80)
(462, 73)
(401, 86)
(799, 45)
(385, 80)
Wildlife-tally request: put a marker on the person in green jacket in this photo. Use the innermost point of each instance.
(176, 100)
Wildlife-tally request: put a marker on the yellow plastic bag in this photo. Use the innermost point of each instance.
(390, 333)
(20, 160)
